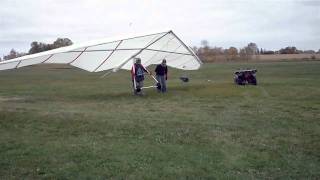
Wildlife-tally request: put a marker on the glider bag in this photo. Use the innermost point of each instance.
(184, 79)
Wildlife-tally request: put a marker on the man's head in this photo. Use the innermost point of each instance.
(138, 60)
(164, 62)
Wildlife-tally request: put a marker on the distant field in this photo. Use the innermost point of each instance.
(63, 123)
(276, 57)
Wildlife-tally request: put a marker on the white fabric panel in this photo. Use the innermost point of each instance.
(188, 64)
(182, 49)
(63, 58)
(144, 56)
(91, 60)
(117, 58)
(10, 65)
(139, 42)
(169, 43)
(173, 60)
(153, 57)
(33, 61)
(185, 62)
(150, 57)
(128, 65)
(108, 46)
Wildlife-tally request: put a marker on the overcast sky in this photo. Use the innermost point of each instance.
(272, 24)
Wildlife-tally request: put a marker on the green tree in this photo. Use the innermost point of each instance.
(37, 47)
(289, 50)
(62, 42)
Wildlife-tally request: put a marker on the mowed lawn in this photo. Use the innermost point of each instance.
(58, 122)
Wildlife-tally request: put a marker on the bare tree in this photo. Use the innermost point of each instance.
(243, 54)
(13, 54)
(205, 43)
(231, 53)
(252, 49)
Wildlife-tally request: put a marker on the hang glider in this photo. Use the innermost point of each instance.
(116, 53)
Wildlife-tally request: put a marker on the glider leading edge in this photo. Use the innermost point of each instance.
(116, 53)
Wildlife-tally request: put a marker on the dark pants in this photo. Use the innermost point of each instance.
(162, 81)
(139, 85)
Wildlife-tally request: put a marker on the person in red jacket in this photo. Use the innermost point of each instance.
(137, 75)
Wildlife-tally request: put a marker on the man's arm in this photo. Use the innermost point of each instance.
(132, 72)
(146, 70)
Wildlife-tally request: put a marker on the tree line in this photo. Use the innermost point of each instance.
(251, 51)
(37, 47)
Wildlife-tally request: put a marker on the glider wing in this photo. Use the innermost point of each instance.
(116, 53)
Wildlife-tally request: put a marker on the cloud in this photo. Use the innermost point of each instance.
(271, 24)
(310, 3)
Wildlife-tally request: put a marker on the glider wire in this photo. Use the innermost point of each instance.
(106, 74)
(108, 57)
(152, 41)
(78, 55)
(188, 48)
(136, 54)
(173, 51)
(150, 59)
(18, 64)
(47, 58)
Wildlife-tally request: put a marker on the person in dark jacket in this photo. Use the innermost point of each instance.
(162, 75)
(137, 75)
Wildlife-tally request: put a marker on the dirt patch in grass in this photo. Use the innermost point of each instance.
(4, 98)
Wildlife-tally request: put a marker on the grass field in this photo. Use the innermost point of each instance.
(64, 123)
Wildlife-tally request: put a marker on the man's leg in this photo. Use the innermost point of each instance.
(159, 81)
(134, 88)
(140, 85)
(163, 84)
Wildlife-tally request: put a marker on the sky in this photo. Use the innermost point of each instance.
(271, 24)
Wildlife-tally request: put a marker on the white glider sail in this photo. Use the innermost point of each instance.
(116, 53)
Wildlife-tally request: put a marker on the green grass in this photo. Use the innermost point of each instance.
(69, 124)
